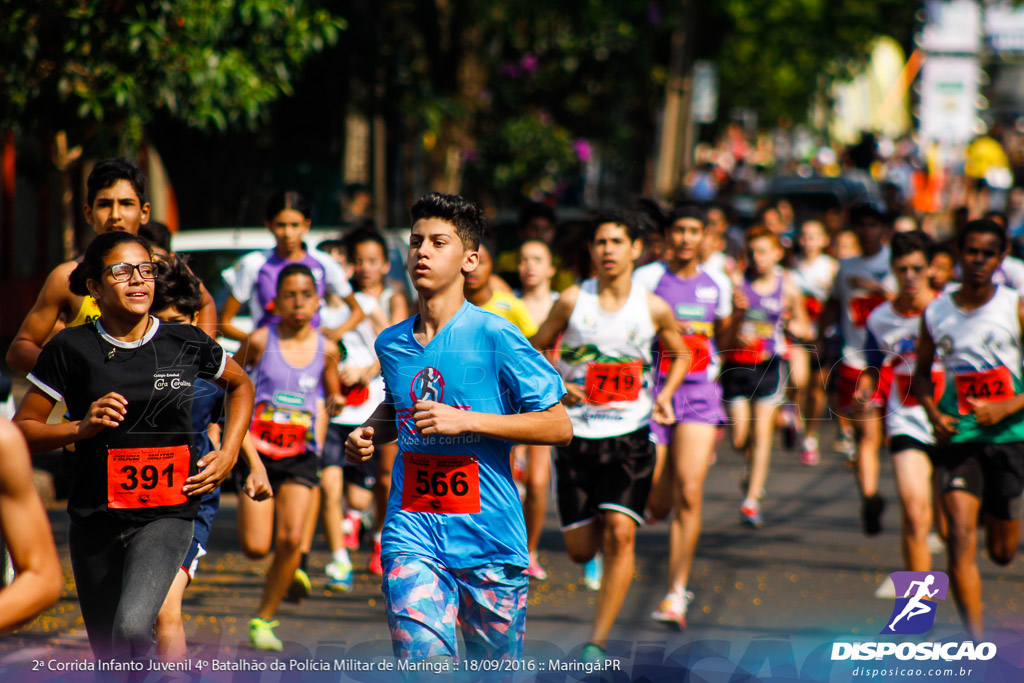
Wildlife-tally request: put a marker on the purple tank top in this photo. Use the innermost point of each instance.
(693, 302)
(762, 322)
(266, 285)
(286, 396)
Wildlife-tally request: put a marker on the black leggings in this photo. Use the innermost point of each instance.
(122, 575)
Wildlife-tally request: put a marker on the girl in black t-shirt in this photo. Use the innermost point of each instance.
(127, 380)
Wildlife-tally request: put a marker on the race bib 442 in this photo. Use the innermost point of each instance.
(985, 385)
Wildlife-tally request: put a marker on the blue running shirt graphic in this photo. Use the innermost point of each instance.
(914, 612)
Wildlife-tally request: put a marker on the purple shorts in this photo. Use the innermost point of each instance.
(699, 402)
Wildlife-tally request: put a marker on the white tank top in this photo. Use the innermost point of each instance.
(814, 279)
(358, 348)
(981, 351)
(896, 336)
(385, 304)
(608, 355)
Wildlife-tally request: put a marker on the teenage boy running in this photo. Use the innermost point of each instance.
(605, 475)
(862, 284)
(978, 422)
(893, 329)
(115, 202)
(463, 385)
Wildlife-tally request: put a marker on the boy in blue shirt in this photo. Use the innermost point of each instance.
(463, 385)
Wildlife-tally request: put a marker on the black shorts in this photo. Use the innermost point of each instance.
(363, 475)
(301, 469)
(991, 472)
(754, 383)
(604, 474)
(902, 442)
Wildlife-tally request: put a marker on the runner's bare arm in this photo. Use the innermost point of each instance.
(26, 531)
(36, 406)
(207, 320)
(251, 350)
(672, 344)
(793, 301)
(332, 382)
(227, 314)
(549, 427)
(355, 317)
(923, 387)
(41, 319)
(557, 320)
(257, 485)
(399, 305)
(215, 466)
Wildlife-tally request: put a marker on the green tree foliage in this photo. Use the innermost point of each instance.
(775, 56)
(110, 66)
(520, 88)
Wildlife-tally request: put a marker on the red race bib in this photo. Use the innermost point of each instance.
(607, 382)
(278, 440)
(986, 385)
(356, 394)
(700, 350)
(813, 307)
(861, 306)
(146, 477)
(906, 396)
(441, 483)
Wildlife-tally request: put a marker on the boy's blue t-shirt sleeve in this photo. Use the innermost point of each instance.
(534, 384)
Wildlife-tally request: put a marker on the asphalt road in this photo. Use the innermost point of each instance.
(769, 603)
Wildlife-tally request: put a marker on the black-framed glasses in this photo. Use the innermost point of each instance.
(122, 272)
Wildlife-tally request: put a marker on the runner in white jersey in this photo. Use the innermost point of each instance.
(978, 422)
(893, 329)
(363, 390)
(862, 284)
(368, 254)
(604, 475)
(813, 274)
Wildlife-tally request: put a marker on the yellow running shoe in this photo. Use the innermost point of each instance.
(261, 635)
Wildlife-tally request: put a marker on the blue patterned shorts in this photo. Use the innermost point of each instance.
(425, 601)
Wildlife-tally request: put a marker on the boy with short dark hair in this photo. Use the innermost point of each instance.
(605, 475)
(462, 386)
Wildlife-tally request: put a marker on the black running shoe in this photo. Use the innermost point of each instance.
(871, 509)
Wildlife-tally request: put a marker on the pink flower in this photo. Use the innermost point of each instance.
(529, 63)
(583, 150)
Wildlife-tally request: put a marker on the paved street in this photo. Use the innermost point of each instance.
(768, 603)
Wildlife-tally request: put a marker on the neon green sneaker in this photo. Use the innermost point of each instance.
(301, 587)
(261, 635)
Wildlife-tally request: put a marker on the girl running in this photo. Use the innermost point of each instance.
(293, 367)
(127, 379)
(751, 379)
(813, 274)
